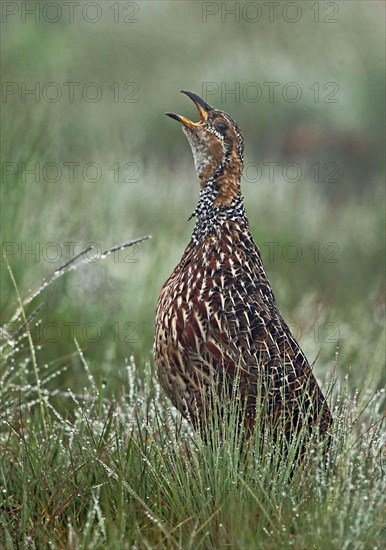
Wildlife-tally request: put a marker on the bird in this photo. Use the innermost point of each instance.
(217, 323)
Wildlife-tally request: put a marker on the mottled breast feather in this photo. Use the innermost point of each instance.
(217, 313)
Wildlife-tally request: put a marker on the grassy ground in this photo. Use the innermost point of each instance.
(86, 471)
(92, 455)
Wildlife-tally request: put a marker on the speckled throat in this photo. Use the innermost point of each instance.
(209, 217)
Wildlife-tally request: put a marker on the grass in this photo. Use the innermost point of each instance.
(90, 471)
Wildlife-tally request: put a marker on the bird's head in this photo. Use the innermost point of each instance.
(217, 146)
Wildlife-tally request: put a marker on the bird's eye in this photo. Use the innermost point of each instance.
(221, 127)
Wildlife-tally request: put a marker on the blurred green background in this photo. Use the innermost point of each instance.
(304, 80)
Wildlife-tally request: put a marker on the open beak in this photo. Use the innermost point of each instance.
(202, 107)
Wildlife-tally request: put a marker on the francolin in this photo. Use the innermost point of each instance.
(217, 322)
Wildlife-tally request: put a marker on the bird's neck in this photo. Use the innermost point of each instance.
(215, 206)
(226, 174)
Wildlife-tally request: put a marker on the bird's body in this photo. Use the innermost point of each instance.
(217, 321)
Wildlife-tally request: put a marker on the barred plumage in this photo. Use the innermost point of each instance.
(217, 313)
